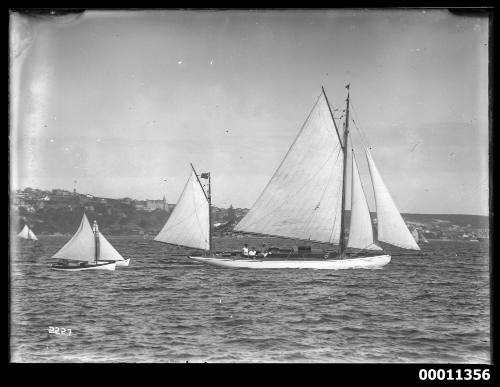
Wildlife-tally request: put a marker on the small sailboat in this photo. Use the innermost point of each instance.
(303, 201)
(27, 233)
(88, 250)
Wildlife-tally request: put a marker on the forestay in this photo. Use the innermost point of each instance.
(188, 224)
(390, 225)
(360, 229)
(303, 198)
(81, 247)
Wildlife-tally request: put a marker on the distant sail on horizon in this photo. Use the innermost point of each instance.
(27, 233)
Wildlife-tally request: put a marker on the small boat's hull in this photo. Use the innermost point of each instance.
(99, 266)
(327, 264)
(125, 262)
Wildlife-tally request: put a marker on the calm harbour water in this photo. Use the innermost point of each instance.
(165, 308)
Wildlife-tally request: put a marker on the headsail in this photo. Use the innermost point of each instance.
(360, 229)
(390, 225)
(188, 224)
(303, 198)
(31, 235)
(106, 251)
(81, 247)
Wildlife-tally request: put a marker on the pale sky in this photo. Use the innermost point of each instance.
(122, 101)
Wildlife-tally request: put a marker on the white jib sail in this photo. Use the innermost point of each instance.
(81, 247)
(303, 198)
(390, 225)
(24, 232)
(360, 229)
(106, 251)
(31, 235)
(188, 224)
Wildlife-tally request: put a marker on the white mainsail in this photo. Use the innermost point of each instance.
(188, 224)
(106, 251)
(390, 225)
(303, 198)
(360, 229)
(81, 247)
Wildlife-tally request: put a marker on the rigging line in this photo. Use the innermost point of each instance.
(363, 135)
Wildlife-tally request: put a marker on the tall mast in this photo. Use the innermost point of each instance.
(209, 215)
(96, 237)
(344, 149)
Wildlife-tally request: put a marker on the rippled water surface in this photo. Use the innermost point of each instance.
(165, 308)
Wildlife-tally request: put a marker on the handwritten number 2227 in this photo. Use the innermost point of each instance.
(60, 331)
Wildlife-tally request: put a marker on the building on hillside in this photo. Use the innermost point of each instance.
(157, 204)
(141, 205)
(60, 192)
(126, 201)
(483, 233)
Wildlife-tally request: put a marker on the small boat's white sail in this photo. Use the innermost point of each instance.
(390, 225)
(24, 232)
(27, 233)
(360, 229)
(303, 198)
(31, 235)
(81, 247)
(106, 251)
(188, 224)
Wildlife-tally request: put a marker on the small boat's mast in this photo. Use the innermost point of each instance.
(344, 149)
(209, 215)
(96, 238)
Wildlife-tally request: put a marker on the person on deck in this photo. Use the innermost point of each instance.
(264, 251)
(244, 250)
(252, 252)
